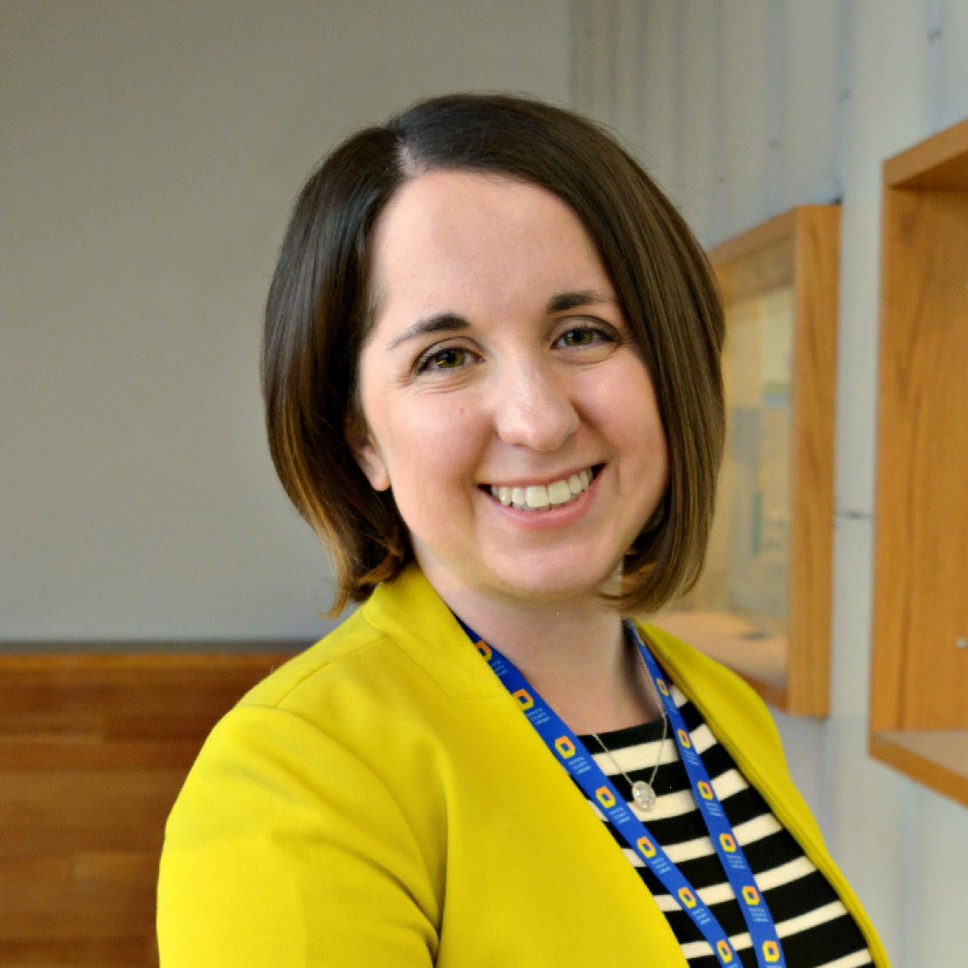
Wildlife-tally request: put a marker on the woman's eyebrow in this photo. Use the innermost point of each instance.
(437, 323)
(564, 301)
(452, 322)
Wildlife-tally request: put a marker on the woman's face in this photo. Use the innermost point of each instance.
(504, 400)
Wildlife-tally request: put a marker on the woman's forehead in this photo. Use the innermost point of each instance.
(480, 236)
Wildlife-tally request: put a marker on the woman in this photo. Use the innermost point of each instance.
(491, 371)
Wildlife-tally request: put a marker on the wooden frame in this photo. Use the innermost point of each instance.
(786, 268)
(919, 672)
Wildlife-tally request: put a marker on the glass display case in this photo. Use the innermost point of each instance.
(763, 604)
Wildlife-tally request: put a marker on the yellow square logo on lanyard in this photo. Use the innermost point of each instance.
(604, 796)
(728, 844)
(565, 747)
(686, 898)
(725, 952)
(646, 847)
(771, 952)
(524, 698)
(484, 649)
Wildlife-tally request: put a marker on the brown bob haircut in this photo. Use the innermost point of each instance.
(318, 315)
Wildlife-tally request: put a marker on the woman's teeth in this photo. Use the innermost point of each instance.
(543, 497)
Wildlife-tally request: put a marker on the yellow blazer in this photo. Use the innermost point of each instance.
(380, 800)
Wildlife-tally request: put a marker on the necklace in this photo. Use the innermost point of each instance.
(643, 791)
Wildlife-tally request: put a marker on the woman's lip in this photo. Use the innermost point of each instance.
(592, 469)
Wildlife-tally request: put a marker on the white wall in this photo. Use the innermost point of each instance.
(743, 109)
(150, 153)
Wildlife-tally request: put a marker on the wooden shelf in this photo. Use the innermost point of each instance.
(763, 605)
(919, 688)
(936, 758)
(738, 643)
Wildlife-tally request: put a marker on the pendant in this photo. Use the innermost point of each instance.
(643, 795)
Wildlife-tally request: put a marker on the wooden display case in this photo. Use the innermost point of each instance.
(763, 604)
(919, 689)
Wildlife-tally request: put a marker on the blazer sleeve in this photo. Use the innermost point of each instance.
(285, 849)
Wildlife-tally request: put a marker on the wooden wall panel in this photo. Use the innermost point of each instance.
(93, 751)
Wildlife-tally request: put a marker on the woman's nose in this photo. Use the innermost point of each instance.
(533, 408)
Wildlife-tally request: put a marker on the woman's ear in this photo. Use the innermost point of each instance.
(367, 453)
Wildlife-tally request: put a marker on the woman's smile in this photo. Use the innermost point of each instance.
(543, 497)
(504, 402)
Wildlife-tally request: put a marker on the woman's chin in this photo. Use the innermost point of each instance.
(553, 586)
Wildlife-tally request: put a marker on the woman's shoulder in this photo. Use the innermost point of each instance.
(401, 650)
(338, 655)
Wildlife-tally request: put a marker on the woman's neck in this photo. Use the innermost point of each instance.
(574, 653)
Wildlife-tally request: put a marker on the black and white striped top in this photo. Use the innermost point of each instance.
(815, 929)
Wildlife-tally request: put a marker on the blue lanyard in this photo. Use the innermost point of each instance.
(573, 756)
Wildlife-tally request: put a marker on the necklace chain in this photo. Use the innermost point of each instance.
(643, 791)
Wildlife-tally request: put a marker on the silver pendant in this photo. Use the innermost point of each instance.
(643, 795)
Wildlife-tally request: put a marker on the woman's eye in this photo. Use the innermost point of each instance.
(449, 358)
(581, 336)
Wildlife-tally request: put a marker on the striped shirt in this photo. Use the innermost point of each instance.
(815, 929)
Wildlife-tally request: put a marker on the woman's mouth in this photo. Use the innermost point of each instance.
(544, 497)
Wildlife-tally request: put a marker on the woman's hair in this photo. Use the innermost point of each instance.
(319, 310)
